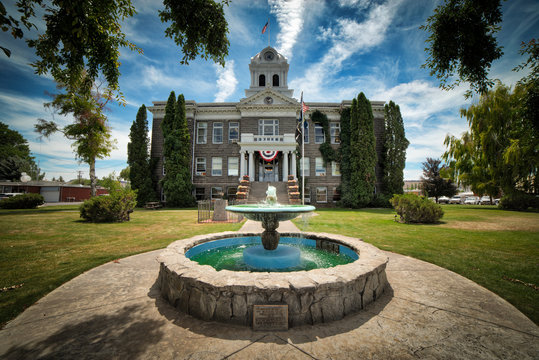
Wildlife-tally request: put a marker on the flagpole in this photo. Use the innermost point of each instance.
(269, 30)
(302, 153)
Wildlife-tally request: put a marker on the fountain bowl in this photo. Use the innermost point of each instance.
(257, 212)
(313, 296)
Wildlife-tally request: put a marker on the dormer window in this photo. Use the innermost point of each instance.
(262, 80)
(276, 80)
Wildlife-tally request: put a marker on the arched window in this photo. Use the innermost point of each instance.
(262, 80)
(275, 80)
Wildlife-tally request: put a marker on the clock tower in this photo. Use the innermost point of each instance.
(269, 69)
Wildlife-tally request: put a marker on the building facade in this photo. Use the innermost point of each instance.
(257, 136)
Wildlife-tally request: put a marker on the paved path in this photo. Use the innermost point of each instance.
(115, 312)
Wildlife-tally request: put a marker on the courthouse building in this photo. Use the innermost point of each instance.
(256, 136)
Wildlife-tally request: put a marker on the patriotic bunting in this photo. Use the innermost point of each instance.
(268, 155)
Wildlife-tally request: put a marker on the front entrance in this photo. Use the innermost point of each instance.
(268, 171)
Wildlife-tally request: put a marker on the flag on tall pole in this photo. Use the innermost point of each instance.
(266, 27)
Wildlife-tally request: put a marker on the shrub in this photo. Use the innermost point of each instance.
(23, 201)
(519, 201)
(115, 207)
(416, 209)
(380, 201)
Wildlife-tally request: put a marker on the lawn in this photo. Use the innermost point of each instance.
(482, 243)
(44, 248)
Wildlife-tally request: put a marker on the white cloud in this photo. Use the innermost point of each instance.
(290, 16)
(347, 38)
(226, 81)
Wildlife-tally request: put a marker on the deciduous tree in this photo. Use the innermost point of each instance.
(15, 157)
(462, 42)
(432, 182)
(89, 132)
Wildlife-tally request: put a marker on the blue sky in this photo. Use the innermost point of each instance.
(336, 49)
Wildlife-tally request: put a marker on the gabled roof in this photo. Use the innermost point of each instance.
(260, 99)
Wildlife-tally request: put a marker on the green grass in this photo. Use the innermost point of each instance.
(481, 243)
(46, 247)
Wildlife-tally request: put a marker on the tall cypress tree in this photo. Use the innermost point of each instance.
(138, 158)
(344, 153)
(395, 145)
(177, 183)
(362, 154)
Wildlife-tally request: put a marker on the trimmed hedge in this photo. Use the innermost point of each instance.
(115, 207)
(23, 201)
(519, 201)
(416, 209)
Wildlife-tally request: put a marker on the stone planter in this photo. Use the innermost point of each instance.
(314, 296)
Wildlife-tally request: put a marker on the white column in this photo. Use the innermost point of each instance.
(251, 166)
(285, 166)
(294, 164)
(242, 163)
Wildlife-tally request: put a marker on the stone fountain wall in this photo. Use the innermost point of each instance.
(314, 296)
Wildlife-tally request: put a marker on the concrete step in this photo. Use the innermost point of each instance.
(258, 192)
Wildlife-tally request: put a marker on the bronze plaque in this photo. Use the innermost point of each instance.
(270, 317)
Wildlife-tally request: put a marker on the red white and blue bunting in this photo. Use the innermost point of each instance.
(268, 155)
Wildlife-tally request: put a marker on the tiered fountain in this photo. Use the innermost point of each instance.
(320, 277)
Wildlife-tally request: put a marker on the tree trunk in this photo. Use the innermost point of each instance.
(93, 179)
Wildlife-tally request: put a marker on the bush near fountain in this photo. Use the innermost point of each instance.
(315, 296)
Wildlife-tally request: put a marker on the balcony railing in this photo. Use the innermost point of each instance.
(284, 139)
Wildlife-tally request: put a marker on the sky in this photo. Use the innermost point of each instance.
(336, 49)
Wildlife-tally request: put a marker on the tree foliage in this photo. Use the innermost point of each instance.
(89, 132)
(15, 157)
(85, 36)
(344, 153)
(432, 182)
(462, 42)
(328, 153)
(501, 149)
(360, 190)
(394, 155)
(138, 158)
(176, 183)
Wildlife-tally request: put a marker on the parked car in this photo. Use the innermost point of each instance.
(6, 195)
(471, 200)
(455, 200)
(485, 200)
(443, 200)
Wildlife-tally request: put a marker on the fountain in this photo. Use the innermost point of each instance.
(271, 274)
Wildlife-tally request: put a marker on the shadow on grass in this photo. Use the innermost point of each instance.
(124, 334)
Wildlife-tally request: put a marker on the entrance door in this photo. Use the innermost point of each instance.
(270, 171)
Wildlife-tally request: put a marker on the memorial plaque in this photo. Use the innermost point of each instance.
(270, 317)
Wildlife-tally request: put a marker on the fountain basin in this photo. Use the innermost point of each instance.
(281, 258)
(314, 296)
(281, 212)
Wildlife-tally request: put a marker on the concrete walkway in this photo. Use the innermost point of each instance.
(115, 312)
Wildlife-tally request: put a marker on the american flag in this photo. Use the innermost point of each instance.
(304, 107)
(265, 27)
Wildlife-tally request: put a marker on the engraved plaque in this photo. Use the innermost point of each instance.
(270, 317)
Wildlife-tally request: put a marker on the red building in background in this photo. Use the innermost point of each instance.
(51, 191)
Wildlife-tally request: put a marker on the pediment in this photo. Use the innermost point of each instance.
(268, 97)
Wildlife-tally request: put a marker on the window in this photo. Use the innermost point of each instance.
(216, 166)
(201, 166)
(164, 172)
(335, 133)
(268, 127)
(275, 80)
(307, 196)
(262, 80)
(307, 167)
(322, 194)
(335, 169)
(319, 136)
(216, 192)
(202, 130)
(336, 194)
(217, 132)
(163, 196)
(200, 193)
(233, 165)
(231, 192)
(306, 132)
(233, 132)
(320, 168)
